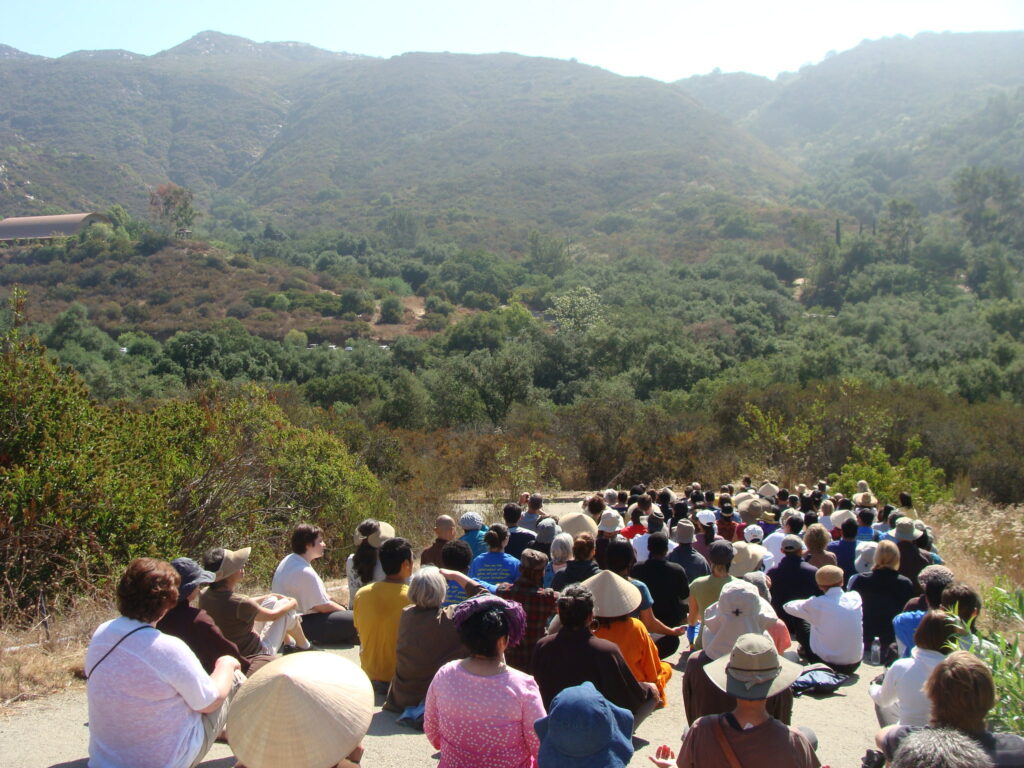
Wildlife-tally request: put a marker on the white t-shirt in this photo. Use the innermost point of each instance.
(296, 578)
(902, 690)
(144, 699)
(640, 546)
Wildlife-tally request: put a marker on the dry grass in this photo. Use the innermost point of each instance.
(981, 543)
(32, 664)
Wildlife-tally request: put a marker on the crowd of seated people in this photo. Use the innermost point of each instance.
(542, 639)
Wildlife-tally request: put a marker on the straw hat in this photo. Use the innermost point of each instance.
(305, 710)
(235, 560)
(768, 491)
(576, 523)
(385, 531)
(753, 670)
(905, 530)
(748, 558)
(613, 595)
(865, 499)
(611, 521)
(739, 611)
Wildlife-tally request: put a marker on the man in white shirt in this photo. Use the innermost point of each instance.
(836, 620)
(792, 522)
(323, 620)
(655, 524)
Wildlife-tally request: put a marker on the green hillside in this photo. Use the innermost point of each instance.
(896, 117)
(314, 138)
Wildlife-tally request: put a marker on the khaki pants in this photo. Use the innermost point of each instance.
(214, 722)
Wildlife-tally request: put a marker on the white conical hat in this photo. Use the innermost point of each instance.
(613, 595)
(576, 523)
(304, 710)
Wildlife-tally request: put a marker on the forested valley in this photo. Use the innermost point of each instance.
(793, 306)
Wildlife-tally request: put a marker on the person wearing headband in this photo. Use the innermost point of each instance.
(480, 711)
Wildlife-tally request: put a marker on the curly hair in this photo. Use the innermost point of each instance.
(575, 606)
(147, 589)
(583, 547)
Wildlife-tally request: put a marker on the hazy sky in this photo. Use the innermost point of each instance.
(657, 38)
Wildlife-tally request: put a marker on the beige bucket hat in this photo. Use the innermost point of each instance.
(305, 710)
(613, 595)
(576, 523)
(383, 533)
(753, 670)
(233, 562)
(611, 521)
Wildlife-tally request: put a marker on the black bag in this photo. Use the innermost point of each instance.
(818, 680)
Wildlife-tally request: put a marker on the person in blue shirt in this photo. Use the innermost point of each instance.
(865, 520)
(845, 549)
(473, 525)
(933, 580)
(456, 557)
(495, 566)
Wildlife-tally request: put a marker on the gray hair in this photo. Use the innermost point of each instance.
(940, 748)
(427, 588)
(561, 548)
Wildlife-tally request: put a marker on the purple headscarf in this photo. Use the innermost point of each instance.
(513, 611)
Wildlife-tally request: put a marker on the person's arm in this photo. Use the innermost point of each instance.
(270, 614)
(656, 626)
(693, 615)
(223, 678)
(798, 608)
(329, 607)
(885, 695)
(465, 582)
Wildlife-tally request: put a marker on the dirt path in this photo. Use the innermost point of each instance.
(53, 732)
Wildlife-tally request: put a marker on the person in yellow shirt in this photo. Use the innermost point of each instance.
(377, 611)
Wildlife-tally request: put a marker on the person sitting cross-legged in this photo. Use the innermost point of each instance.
(836, 619)
(324, 620)
(751, 673)
(539, 605)
(257, 625)
(151, 703)
(377, 610)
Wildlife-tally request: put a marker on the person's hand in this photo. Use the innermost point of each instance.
(653, 688)
(228, 661)
(663, 756)
(680, 630)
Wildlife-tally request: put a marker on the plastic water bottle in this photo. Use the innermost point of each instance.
(876, 653)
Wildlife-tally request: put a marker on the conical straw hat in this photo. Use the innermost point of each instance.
(613, 595)
(576, 523)
(304, 710)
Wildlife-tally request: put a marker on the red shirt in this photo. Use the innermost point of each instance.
(633, 529)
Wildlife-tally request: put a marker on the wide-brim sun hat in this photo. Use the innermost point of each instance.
(611, 521)
(234, 561)
(865, 499)
(737, 612)
(305, 710)
(905, 530)
(576, 523)
(865, 559)
(684, 532)
(840, 516)
(753, 669)
(583, 729)
(384, 532)
(613, 595)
